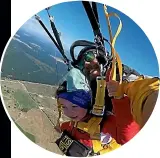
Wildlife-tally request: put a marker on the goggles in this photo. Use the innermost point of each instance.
(87, 57)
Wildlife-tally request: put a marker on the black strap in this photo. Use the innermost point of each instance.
(92, 17)
(44, 27)
(94, 6)
(59, 47)
(55, 30)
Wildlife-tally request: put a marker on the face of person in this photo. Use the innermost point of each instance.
(90, 65)
(92, 69)
(71, 110)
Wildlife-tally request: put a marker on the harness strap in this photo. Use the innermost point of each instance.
(59, 114)
(92, 127)
(98, 147)
(98, 107)
(116, 58)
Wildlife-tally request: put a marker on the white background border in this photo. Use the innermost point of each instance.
(145, 14)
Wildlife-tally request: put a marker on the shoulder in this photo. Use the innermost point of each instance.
(66, 125)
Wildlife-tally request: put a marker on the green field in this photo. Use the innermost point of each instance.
(24, 101)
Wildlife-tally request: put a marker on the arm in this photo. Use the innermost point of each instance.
(127, 128)
(143, 94)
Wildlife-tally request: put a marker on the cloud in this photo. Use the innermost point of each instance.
(21, 42)
(35, 45)
(16, 35)
(57, 59)
(26, 34)
(33, 27)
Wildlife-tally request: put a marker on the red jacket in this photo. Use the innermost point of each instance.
(120, 126)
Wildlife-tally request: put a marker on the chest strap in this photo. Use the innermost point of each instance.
(93, 125)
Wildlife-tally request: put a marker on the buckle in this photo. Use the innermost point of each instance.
(98, 111)
(101, 78)
(99, 107)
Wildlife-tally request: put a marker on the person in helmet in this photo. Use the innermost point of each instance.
(74, 96)
(89, 63)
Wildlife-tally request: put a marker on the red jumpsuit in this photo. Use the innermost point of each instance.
(120, 126)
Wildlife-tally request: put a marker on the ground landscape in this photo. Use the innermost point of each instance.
(33, 108)
(31, 70)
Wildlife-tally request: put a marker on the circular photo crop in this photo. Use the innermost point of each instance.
(76, 75)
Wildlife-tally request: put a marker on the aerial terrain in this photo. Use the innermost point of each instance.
(30, 73)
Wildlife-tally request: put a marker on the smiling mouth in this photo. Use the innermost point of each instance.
(94, 70)
(73, 117)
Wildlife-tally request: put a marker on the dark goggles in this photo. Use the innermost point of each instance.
(87, 57)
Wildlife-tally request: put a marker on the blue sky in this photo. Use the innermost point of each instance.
(132, 44)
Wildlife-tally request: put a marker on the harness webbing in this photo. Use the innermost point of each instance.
(116, 58)
(54, 29)
(98, 107)
(93, 125)
(101, 149)
(57, 43)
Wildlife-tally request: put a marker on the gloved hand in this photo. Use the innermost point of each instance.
(114, 89)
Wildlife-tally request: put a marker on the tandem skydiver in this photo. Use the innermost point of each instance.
(89, 135)
(115, 124)
(142, 90)
(94, 60)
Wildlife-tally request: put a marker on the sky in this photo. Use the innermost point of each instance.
(132, 45)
